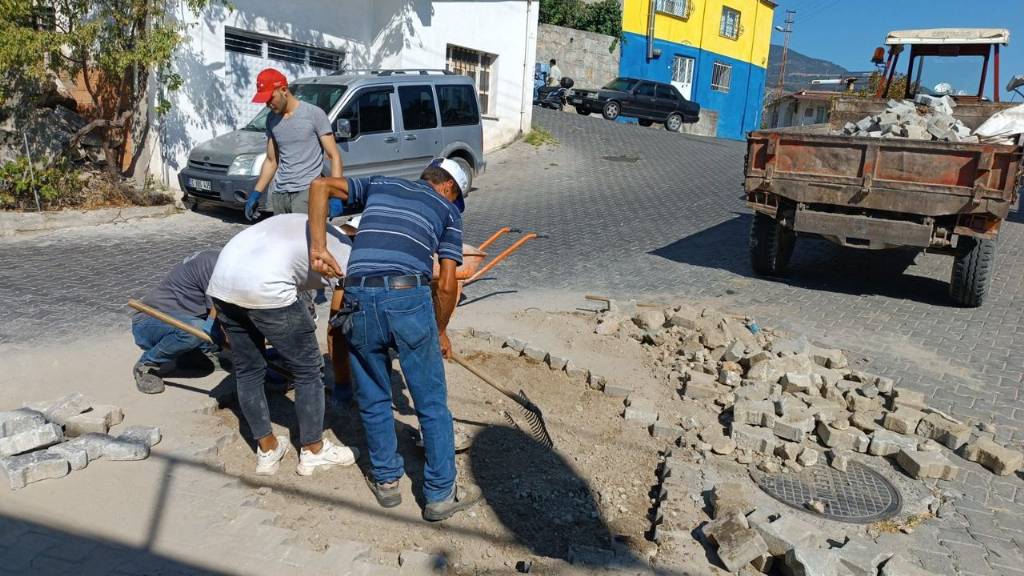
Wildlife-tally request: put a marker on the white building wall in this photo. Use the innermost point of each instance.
(217, 86)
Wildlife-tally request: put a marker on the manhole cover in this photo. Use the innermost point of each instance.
(859, 495)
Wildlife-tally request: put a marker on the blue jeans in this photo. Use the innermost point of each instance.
(163, 342)
(292, 332)
(374, 320)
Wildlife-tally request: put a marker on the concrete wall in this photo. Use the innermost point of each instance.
(583, 56)
(215, 97)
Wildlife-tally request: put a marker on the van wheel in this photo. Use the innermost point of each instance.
(771, 245)
(645, 123)
(674, 122)
(973, 266)
(464, 164)
(611, 110)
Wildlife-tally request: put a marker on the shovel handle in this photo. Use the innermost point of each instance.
(462, 362)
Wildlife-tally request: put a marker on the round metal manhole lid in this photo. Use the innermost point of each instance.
(859, 495)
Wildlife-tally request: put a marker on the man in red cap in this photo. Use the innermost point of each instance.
(298, 137)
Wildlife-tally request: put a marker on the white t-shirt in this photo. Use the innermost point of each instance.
(267, 264)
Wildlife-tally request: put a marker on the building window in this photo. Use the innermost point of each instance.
(730, 23)
(679, 8)
(820, 118)
(250, 44)
(682, 69)
(477, 65)
(721, 77)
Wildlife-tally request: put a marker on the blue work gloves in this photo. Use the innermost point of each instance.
(252, 211)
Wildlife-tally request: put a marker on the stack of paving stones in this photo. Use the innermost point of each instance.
(924, 118)
(46, 440)
(786, 404)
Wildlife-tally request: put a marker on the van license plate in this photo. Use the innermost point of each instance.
(199, 184)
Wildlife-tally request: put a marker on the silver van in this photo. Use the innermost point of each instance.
(389, 122)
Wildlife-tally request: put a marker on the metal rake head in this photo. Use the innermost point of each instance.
(534, 417)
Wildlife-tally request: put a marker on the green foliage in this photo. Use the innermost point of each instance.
(897, 90)
(539, 137)
(603, 17)
(56, 185)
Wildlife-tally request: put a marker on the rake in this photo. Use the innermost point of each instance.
(531, 412)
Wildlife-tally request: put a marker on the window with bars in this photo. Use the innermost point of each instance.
(679, 8)
(242, 42)
(721, 77)
(730, 23)
(477, 65)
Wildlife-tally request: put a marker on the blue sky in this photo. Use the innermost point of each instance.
(847, 31)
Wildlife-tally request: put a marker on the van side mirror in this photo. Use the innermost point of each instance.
(342, 129)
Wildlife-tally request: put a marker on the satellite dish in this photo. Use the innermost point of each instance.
(942, 88)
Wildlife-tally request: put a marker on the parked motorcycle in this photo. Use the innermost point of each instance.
(555, 97)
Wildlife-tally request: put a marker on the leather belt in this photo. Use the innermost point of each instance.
(392, 282)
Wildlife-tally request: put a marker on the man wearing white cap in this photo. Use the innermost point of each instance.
(388, 305)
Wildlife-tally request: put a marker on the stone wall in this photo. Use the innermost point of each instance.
(706, 126)
(592, 60)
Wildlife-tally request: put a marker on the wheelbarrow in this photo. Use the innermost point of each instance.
(473, 267)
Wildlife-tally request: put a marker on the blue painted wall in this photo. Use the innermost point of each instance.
(739, 109)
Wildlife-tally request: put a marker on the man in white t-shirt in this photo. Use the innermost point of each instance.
(255, 287)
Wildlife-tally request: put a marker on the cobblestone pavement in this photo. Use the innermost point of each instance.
(637, 212)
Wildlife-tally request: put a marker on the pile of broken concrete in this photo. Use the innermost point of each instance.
(924, 118)
(46, 440)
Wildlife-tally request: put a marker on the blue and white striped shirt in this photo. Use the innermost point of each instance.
(404, 223)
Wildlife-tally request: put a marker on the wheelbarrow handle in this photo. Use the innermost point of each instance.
(498, 234)
(497, 259)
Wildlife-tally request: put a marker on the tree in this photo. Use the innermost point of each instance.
(603, 17)
(116, 46)
(896, 90)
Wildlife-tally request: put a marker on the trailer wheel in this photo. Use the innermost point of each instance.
(973, 267)
(771, 245)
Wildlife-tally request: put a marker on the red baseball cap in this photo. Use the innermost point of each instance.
(268, 81)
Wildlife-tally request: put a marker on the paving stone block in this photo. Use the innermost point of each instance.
(20, 471)
(515, 344)
(556, 362)
(20, 420)
(85, 423)
(908, 398)
(850, 439)
(754, 413)
(903, 421)
(806, 561)
(797, 382)
(885, 385)
(785, 533)
(754, 439)
(665, 430)
(642, 411)
(861, 558)
(738, 548)
(808, 457)
(950, 434)
(148, 436)
(825, 410)
(867, 421)
(700, 386)
(39, 437)
(617, 390)
(1002, 461)
(788, 451)
(900, 566)
(735, 352)
(922, 465)
(575, 371)
(534, 353)
(730, 497)
(596, 381)
(63, 408)
(794, 427)
(887, 443)
(722, 524)
(857, 402)
(76, 455)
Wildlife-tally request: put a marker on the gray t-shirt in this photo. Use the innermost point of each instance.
(183, 290)
(300, 158)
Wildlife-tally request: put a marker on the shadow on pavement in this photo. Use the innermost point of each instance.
(32, 548)
(816, 264)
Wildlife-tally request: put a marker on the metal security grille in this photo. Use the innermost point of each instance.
(682, 69)
(860, 495)
(730, 23)
(721, 77)
(679, 8)
(477, 65)
(281, 50)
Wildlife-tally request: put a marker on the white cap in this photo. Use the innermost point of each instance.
(457, 173)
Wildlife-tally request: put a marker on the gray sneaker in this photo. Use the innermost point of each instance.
(146, 379)
(463, 497)
(388, 494)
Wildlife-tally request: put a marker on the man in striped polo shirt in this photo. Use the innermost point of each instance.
(388, 305)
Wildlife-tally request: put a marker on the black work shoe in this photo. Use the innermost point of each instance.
(146, 379)
(388, 495)
(463, 497)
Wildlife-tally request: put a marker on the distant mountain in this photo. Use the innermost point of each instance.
(800, 70)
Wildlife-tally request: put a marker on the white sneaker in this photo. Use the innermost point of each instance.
(267, 463)
(330, 455)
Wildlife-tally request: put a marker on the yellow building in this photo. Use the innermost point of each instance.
(714, 51)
